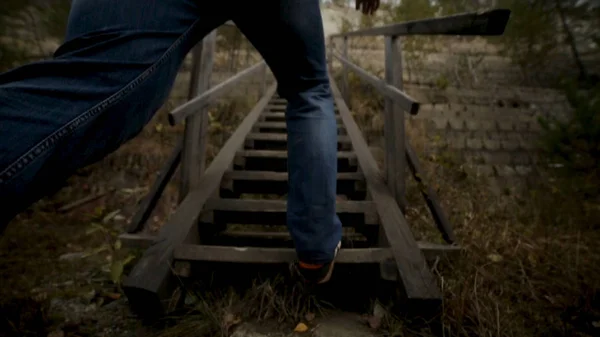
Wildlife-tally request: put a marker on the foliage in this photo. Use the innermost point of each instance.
(411, 10)
(24, 27)
(573, 144)
(531, 34)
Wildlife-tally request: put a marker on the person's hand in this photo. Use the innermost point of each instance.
(367, 6)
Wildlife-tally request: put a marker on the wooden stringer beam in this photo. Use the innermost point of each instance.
(418, 280)
(150, 284)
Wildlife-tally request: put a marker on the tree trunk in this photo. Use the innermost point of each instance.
(571, 40)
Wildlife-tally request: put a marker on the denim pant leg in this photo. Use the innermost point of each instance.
(290, 37)
(113, 72)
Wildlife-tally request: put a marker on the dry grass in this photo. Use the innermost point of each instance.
(529, 266)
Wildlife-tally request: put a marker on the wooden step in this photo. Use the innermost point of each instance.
(276, 160)
(280, 116)
(191, 252)
(273, 212)
(282, 107)
(284, 235)
(281, 127)
(245, 236)
(351, 184)
(278, 141)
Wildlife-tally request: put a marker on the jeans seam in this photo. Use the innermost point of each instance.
(74, 124)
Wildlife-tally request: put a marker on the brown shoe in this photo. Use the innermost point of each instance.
(317, 273)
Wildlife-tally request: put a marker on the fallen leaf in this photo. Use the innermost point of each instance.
(301, 327)
(110, 216)
(309, 316)
(113, 296)
(116, 268)
(495, 257)
(71, 256)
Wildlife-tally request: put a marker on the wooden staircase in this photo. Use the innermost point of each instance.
(234, 211)
(244, 219)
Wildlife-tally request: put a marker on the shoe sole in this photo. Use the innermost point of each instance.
(330, 272)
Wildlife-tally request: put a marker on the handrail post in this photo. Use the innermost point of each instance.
(196, 126)
(330, 59)
(394, 122)
(345, 86)
(263, 81)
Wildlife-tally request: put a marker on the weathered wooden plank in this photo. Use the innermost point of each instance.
(280, 116)
(282, 137)
(273, 235)
(431, 198)
(280, 125)
(151, 280)
(281, 176)
(490, 22)
(403, 99)
(234, 183)
(147, 205)
(393, 76)
(287, 255)
(418, 280)
(282, 107)
(431, 251)
(284, 154)
(136, 240)
(277, 160)
(193, 156)
(345, 86)
(193, 106)
(279, 206)
(273, 212)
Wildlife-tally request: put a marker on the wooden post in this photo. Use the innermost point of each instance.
(263, 81)
(394, 120)
(345, 86)
(393, 129)
(330, 59)
(196, 126)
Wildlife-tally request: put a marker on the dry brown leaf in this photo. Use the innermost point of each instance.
(301, 327)
(113, 296)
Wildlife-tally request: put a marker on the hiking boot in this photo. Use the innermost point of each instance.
(316, 273)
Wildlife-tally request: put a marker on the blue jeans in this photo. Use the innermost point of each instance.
(115, 70)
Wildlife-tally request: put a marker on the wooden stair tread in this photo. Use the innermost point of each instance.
(280, 235)
(263, 205)
(282, 137)
(281, 176)
(278, 125)
(191, 252)
(284, 154)
(281, 115)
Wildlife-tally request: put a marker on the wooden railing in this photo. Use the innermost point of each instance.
(191, 149)
(398, 151)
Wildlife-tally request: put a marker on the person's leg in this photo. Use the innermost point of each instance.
(289, 35)
(114, 71)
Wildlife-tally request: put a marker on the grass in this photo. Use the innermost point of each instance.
(528, 268)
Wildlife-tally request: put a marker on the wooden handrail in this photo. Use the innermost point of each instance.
(179, 114)
(398, 150)
(404, 100)
(490, 22)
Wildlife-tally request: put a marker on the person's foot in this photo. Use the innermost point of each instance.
(316, 273)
